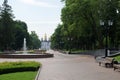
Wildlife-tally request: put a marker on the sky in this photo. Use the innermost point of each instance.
(41, 16)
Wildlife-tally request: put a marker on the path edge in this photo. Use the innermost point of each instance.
(38, 73)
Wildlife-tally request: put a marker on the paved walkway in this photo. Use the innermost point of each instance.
(72, 67)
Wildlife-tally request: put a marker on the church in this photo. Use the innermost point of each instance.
(45, 43)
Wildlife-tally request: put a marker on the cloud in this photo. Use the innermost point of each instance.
(38, 3)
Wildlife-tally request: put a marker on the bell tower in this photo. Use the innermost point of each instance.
(45, 37)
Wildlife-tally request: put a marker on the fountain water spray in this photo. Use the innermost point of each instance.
(24, 47)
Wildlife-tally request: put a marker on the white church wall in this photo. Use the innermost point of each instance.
(45, 45)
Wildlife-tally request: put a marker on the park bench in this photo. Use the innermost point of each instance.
(107, 62)
(116, 66)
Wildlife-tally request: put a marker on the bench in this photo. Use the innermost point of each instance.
(107, 62)
(116, 66)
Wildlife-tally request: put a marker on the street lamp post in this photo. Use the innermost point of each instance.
(70, 40)
(109, 23)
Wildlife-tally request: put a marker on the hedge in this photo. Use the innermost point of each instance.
(10, 67)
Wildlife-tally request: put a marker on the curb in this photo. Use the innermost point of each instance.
(38, 73)
(47, 55)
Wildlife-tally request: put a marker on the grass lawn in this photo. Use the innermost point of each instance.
(19, 76)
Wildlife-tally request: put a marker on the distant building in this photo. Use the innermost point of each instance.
(45, 44)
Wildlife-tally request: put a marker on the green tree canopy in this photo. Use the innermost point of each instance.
(13, 32)
(20, 33)
(6, 26)
(81, 24)
(35, 42)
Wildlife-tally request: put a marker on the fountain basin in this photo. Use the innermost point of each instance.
(46, 55)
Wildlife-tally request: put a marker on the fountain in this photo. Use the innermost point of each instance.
(25, 54)
(24, 46)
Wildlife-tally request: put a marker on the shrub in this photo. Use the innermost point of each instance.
(9, 67)
(117, 58)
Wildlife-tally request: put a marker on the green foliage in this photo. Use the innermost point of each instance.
(109, 12)
(19, 76)
(6, 26)
(56, 37)
(117, 58)
(35, 42)
(9, 67)
(20, 33)
(12, 33)
(80, 28)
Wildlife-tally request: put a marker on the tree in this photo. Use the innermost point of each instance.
(79, 18)
(35, 42)
(109, 11)
(13, 32)
(7, 26)
(20, 33)
(57, 38)
(81, 23)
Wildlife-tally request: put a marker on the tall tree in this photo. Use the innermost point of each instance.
(7, 26)
(81, 23)
(20, 33)
(79, 17)
(35, 42)
(57, 38)
(109, 11)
